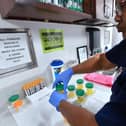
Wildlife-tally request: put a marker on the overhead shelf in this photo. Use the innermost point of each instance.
(31, 10)
(95, 22)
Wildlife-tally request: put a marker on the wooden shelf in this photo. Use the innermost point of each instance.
(31, 10)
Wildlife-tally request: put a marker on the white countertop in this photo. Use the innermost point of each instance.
(39, 113)
(98, 99)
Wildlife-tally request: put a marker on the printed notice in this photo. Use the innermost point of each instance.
(52, 40)
(14, 50)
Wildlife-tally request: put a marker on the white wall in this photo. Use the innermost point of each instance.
(74, 36)
(109, 13)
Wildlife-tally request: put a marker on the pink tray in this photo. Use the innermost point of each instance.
(99, 78)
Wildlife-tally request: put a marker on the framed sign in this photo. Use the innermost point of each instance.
(82, 53)
(51, 40)
(16, 51)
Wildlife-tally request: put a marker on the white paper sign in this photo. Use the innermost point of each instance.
(14, 50)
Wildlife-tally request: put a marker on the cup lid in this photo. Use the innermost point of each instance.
(56, 62)
(59, 87)
(13, 98)
(71, 87)
(89, 85)
(80, 81)
(80, 92)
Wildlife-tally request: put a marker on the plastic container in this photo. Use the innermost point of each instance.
(80, 95)
(89, 88)
(56, 66)
(15, 102)
(71, 91)
(70, 4)
(80, 5)
(60, 87)
(18, 104)
(80, 84)
(60, 3)
(55, 2)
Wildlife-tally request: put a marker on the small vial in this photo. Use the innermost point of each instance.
(25, 89)
(89, 88)
(71, 91)
(37, 85)
(28, 90)
(31, 87)
(60, 87)
(80, 95)
(80, 84)
(56, 2)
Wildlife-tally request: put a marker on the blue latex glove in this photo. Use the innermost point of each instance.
(64, 77)
(56, 98)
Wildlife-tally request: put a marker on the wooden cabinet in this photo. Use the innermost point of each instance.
(89, 7)
(33, 10)
(102, 12)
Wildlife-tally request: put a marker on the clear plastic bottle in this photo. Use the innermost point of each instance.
(80, 96)
(89, 88)
(71, 91)
(80, 5)
(80, 84)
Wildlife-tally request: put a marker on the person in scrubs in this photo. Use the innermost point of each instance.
(112, 113)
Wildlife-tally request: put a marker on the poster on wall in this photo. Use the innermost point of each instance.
(13, 50)
(82, 53)
(51, 40)
(16, 51)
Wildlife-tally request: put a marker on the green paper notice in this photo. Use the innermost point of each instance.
(51, 40)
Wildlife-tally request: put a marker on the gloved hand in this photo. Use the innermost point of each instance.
(64, 77)
(56, 98)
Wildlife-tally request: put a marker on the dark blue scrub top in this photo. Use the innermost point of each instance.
(114, 112)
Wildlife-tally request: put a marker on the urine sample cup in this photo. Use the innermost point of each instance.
(80, 84)
(60, 87)
(71, 91)
(89, 88)
(56, 67)
(15, 102)
(18, 104)
(80, 95)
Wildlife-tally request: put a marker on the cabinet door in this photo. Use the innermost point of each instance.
(38, 11)
(105, 10)
(101, 10)
(89, 6)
